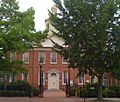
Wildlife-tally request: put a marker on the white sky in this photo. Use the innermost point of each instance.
(41, 10)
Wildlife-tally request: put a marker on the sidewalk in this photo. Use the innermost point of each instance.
(54, 96)
(106, 99)
(54, 93)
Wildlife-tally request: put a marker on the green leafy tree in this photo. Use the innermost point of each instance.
(17, 34)
(91, 31)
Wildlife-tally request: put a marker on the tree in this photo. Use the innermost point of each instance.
(17, 34)
(91, 31)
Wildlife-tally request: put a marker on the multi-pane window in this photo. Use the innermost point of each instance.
(25, 76)
(105, 82)
(64, 77)
(93, 79)
(81, 78)
(53, 57)
(42, 78)
(42, 56)
(13, 56)
(13, 77)
(8, 78)
(64, 60)
(26, 57)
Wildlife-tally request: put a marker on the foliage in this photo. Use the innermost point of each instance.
(115, 90)
(17, 33)
(106, 92)
(91, 31)
(19, 88)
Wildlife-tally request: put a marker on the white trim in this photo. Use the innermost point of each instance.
(44, 54)
(13, 56)
(24, 57)
(27, 76)
(42, 49)
(43, 78)
(51, 58)
(53, 80)
(80, 83)
(64, 83)
(63, 61)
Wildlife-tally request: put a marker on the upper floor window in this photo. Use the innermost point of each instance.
(42, 56)
(13, 56)
(64, 60)
(53, 58)
(26, 57)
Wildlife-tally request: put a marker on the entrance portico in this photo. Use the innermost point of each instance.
(53, 79)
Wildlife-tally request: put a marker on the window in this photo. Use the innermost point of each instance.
(64, 60)
(53, 57)
(25, 76)
(64, 77)
(13, 78)
(81, 79)
(13, 56)
(26, 57)
(53, 74)
(43, 78)
(93, 79)
(42, 56)
(105, 82)
(8, 78)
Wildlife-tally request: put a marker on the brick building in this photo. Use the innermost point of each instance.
(55, 68)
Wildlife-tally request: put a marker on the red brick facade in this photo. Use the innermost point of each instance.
(59, 68)
(33, 67)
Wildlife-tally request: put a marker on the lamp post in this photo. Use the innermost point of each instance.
(41, 83)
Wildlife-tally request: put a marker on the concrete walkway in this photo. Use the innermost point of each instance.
(54, 93)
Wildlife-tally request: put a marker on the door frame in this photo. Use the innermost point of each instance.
(57, 76)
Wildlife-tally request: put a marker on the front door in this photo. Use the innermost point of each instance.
(53, 81)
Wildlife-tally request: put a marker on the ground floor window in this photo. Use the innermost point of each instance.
(7, 77)
(93, 79)
(81, 79)
(25, 76)
(64, 77)
(42, 78)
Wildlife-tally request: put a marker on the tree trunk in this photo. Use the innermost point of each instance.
(100, 84)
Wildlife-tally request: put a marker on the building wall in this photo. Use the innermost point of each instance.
(34, 68)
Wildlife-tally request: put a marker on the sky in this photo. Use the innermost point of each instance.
(41, 10)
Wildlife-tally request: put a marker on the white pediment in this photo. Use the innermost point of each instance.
(56, 39)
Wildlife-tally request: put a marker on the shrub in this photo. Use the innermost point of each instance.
(106, 92)
(72, 91)
(18, 88)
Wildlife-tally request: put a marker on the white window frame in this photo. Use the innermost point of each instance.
(64, 83)
(106, 82)
(13, 56)
(27, 76)
(64, 62)
(44, 54)
(51, 58)
(24, 57)
(10, 79)
(43, 78)
(95, 80)
(83, 79)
